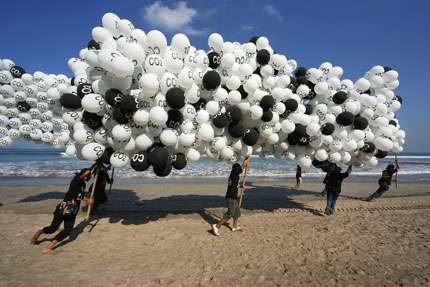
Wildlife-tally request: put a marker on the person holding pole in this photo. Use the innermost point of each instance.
(66, 211)
(233, 209)
(334, 184)
(100, 196)
(385, 180)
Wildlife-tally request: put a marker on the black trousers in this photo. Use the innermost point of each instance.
(55, 224)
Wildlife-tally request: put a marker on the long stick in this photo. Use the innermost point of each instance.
(92, 192)
(244, 180)
(397, 172)
(111, 180)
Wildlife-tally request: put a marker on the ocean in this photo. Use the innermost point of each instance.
(50, 166)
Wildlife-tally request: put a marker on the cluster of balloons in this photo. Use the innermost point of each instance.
(134, 99)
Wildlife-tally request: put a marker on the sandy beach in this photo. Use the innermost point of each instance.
(159, 235)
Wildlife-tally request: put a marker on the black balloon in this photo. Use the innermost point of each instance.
(23, 106)
(381, 154)
(106, 155)
(174, 119)
(263, 57)
(211, 80)
(316, 163)
(291, 105)
(303, 141)
(254, 39)
(234, 114)
(300, 72)
(113, 97)
(92, 120)
(393, 122)
(220, 120)
(345, 119)
(309, 109)
(267, 116)
(120, 116)
(300, 130)
(214, 60)
(242, 92)
(70, 101)
(84, 89)
(328, 166)
(399, 98)
(293, 84)
(17, 71)
(236, 130)
(163, 171)
(175, 98)
(301, 80)
(158, 157)
(140, 161)
(339, 97)
(129, 104)
(368, 147)
(360, 123)
(386, 69)
(267, 102)
(93, 45)
(327, 129)
(201, 103)
(179, 161)
(251, 136)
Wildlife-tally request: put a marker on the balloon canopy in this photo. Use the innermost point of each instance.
(135, 99)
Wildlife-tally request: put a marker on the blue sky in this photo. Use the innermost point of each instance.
(356, 35)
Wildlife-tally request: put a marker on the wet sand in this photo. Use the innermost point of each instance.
(159, 235)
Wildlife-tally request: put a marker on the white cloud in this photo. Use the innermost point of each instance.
(246, 27)
(177, 19)
(273, 12)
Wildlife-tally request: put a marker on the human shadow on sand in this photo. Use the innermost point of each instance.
(126, 207)
(44, 196)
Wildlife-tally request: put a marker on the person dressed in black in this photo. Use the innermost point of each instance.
(385, 181)
(231, 198)
(298, 176)
(73, 197)
(100, 196)
(325, 181)
(334, 183)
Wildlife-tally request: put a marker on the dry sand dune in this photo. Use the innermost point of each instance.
(159, 235)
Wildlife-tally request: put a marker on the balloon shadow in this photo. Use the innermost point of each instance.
(126, 207)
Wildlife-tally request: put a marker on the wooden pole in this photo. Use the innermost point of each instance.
(111, 180)
(397, 172)
(92, 191)
(244, 180)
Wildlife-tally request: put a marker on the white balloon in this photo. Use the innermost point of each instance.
(216, 42)
(304, 161)
(206, 132)
(93, 103)
(119, 159)
(192, 155)
(92, 151)
(121, 132)
(158, 115)
(169, 137)
(181, 44)
(156, 42)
